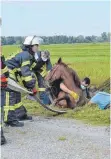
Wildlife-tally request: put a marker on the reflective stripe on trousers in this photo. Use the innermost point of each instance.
(7, 107)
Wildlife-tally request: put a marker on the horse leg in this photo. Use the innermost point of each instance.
(61, 100)
(70, 102)
(65, 101)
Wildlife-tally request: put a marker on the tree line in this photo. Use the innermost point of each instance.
(60, 39)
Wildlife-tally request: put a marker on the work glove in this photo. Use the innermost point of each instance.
(74, 95)
(4, 82)
(34, 90)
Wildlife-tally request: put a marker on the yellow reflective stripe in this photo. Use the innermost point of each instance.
(18, 105)
(47, 72)
(7, 98)
(33, 65)
(9, 107)
(44, 66)
(12, 76)
(44, 71)
(5, 107)
(6, 110)
(25, 63)
(4, 70)
(13, 71)
(18, 69)
(41, 89)
(28, 78)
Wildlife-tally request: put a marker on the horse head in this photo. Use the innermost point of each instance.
(56, 72)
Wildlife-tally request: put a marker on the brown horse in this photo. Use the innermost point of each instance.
(62, 73)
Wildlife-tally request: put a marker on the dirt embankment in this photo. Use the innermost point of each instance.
(105, 86)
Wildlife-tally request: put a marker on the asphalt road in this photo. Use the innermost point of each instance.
(52, 138)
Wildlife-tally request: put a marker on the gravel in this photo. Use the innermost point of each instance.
(52, 138)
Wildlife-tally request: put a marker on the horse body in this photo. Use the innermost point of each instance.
(62, 73)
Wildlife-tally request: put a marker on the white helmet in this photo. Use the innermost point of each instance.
(31, 40)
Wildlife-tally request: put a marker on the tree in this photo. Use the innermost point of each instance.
(10, 40)
(109, 37)
(80, 39)
(94, 38)
(104, 37)
(18, 40)
(60, 39)
(88, 39)
(70, 39)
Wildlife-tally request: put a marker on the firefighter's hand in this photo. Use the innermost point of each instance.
(34, 90)
(4, 82)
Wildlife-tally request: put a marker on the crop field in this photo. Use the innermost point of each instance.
(91, 60)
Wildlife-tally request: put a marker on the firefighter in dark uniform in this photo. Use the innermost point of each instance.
(42, 67)
(19, 66)
(4, 76)
(5, 100)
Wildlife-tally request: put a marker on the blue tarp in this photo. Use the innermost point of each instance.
(102, 99)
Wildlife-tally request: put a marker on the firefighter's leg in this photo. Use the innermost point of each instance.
(3, 140)
(10, 117)
(20, 110)
(43, 95)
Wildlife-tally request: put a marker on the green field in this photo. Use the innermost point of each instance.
(92, 60)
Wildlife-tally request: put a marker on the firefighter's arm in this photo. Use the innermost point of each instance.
(48, 66)
(29, 80)
(4, 73)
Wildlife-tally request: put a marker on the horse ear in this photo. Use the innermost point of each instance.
(60, 60)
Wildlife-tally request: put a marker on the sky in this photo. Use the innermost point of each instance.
(46, 18)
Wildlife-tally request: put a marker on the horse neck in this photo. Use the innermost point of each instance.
(68, 80)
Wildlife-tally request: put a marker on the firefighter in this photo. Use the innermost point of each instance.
(41, 67)
(20, 66)
(4, 76)
(5, 99)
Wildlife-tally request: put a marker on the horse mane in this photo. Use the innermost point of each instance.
(74, 74)
(63, 64)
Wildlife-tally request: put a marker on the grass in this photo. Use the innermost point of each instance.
(92, 60)
(88, 114)
(62, 138)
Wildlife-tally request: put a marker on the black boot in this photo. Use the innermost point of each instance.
(3, 140)
(26, 117)
(14, 124)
